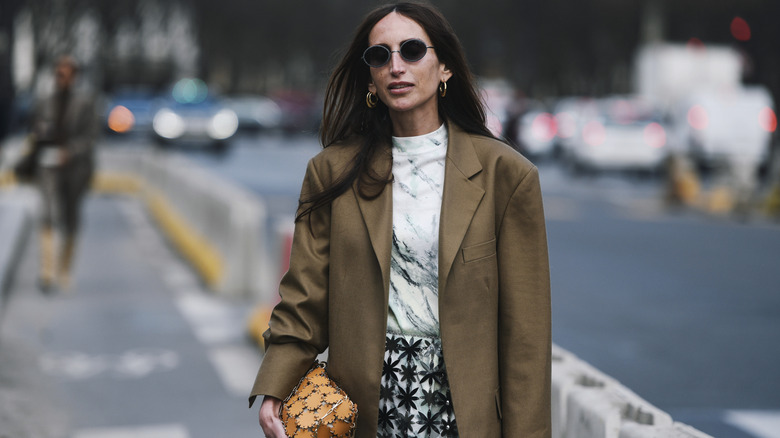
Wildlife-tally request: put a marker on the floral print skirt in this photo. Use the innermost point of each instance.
(415, 399)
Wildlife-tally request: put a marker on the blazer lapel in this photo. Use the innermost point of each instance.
(460, 199)
(378, 217)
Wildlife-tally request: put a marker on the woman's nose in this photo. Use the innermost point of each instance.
(397, 63)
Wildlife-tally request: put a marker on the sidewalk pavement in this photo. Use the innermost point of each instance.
(137, 348)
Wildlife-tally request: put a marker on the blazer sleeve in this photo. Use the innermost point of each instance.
(524, 313)
(298, 328)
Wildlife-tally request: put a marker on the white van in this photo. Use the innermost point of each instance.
(734, 124)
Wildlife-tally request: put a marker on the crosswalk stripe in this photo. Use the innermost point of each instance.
(236, 366)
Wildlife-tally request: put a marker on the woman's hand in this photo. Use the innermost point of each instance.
(269, 418)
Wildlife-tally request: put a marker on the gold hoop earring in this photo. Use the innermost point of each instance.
(442, 88)
(371, 100)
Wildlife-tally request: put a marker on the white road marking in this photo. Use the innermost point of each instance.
(211, 319)
(236, 366)
(161, 431)
(762, 424)
(74, 365)
(132, 364)
(140, 363)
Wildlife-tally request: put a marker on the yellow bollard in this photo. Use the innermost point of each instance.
(258, 324)
(720, 200)
(772, 203)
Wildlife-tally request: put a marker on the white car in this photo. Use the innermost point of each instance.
(617, 133)
(192, 116)
(569, 113)
(255, 113)
(535, 132)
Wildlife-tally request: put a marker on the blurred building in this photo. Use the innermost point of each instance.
(552, 48)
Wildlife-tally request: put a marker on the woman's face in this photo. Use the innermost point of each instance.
(408, 89)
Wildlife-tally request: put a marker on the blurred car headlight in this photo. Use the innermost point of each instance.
(223, 125)
(168, 124)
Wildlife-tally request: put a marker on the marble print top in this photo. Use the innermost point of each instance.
(418, 180)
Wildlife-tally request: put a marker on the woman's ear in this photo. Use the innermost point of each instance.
(446, 73)
(372, 87)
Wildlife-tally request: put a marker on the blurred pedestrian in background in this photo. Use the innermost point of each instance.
(419, 256)
(64, 128)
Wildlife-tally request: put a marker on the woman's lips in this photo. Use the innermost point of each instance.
(399, 87)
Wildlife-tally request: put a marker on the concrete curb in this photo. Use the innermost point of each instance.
(217, 226)
(194, 247)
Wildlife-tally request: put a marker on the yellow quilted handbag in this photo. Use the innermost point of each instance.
(318, 408)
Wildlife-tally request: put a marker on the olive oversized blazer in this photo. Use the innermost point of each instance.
(494, 291)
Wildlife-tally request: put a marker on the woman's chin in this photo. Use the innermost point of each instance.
(406, 107)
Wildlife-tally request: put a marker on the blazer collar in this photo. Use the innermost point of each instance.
(460, 200)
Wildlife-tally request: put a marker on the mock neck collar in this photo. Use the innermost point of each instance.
(421, 143)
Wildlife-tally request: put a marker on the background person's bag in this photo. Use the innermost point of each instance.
(26, 168)
(318, 408)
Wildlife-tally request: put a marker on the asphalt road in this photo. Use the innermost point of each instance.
(137, 348)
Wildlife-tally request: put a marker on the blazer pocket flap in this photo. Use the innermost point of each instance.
(479, 251)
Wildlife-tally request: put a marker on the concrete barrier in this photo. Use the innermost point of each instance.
(14, 231)
(587, 403)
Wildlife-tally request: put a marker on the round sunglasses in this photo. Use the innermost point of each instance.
(410, 50)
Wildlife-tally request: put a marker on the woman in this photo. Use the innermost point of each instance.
(419, 242)
(64, 126)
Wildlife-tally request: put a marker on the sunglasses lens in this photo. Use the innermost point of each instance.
(413, 50)
(376, 56)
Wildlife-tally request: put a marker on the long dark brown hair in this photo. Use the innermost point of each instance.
(346, 115)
